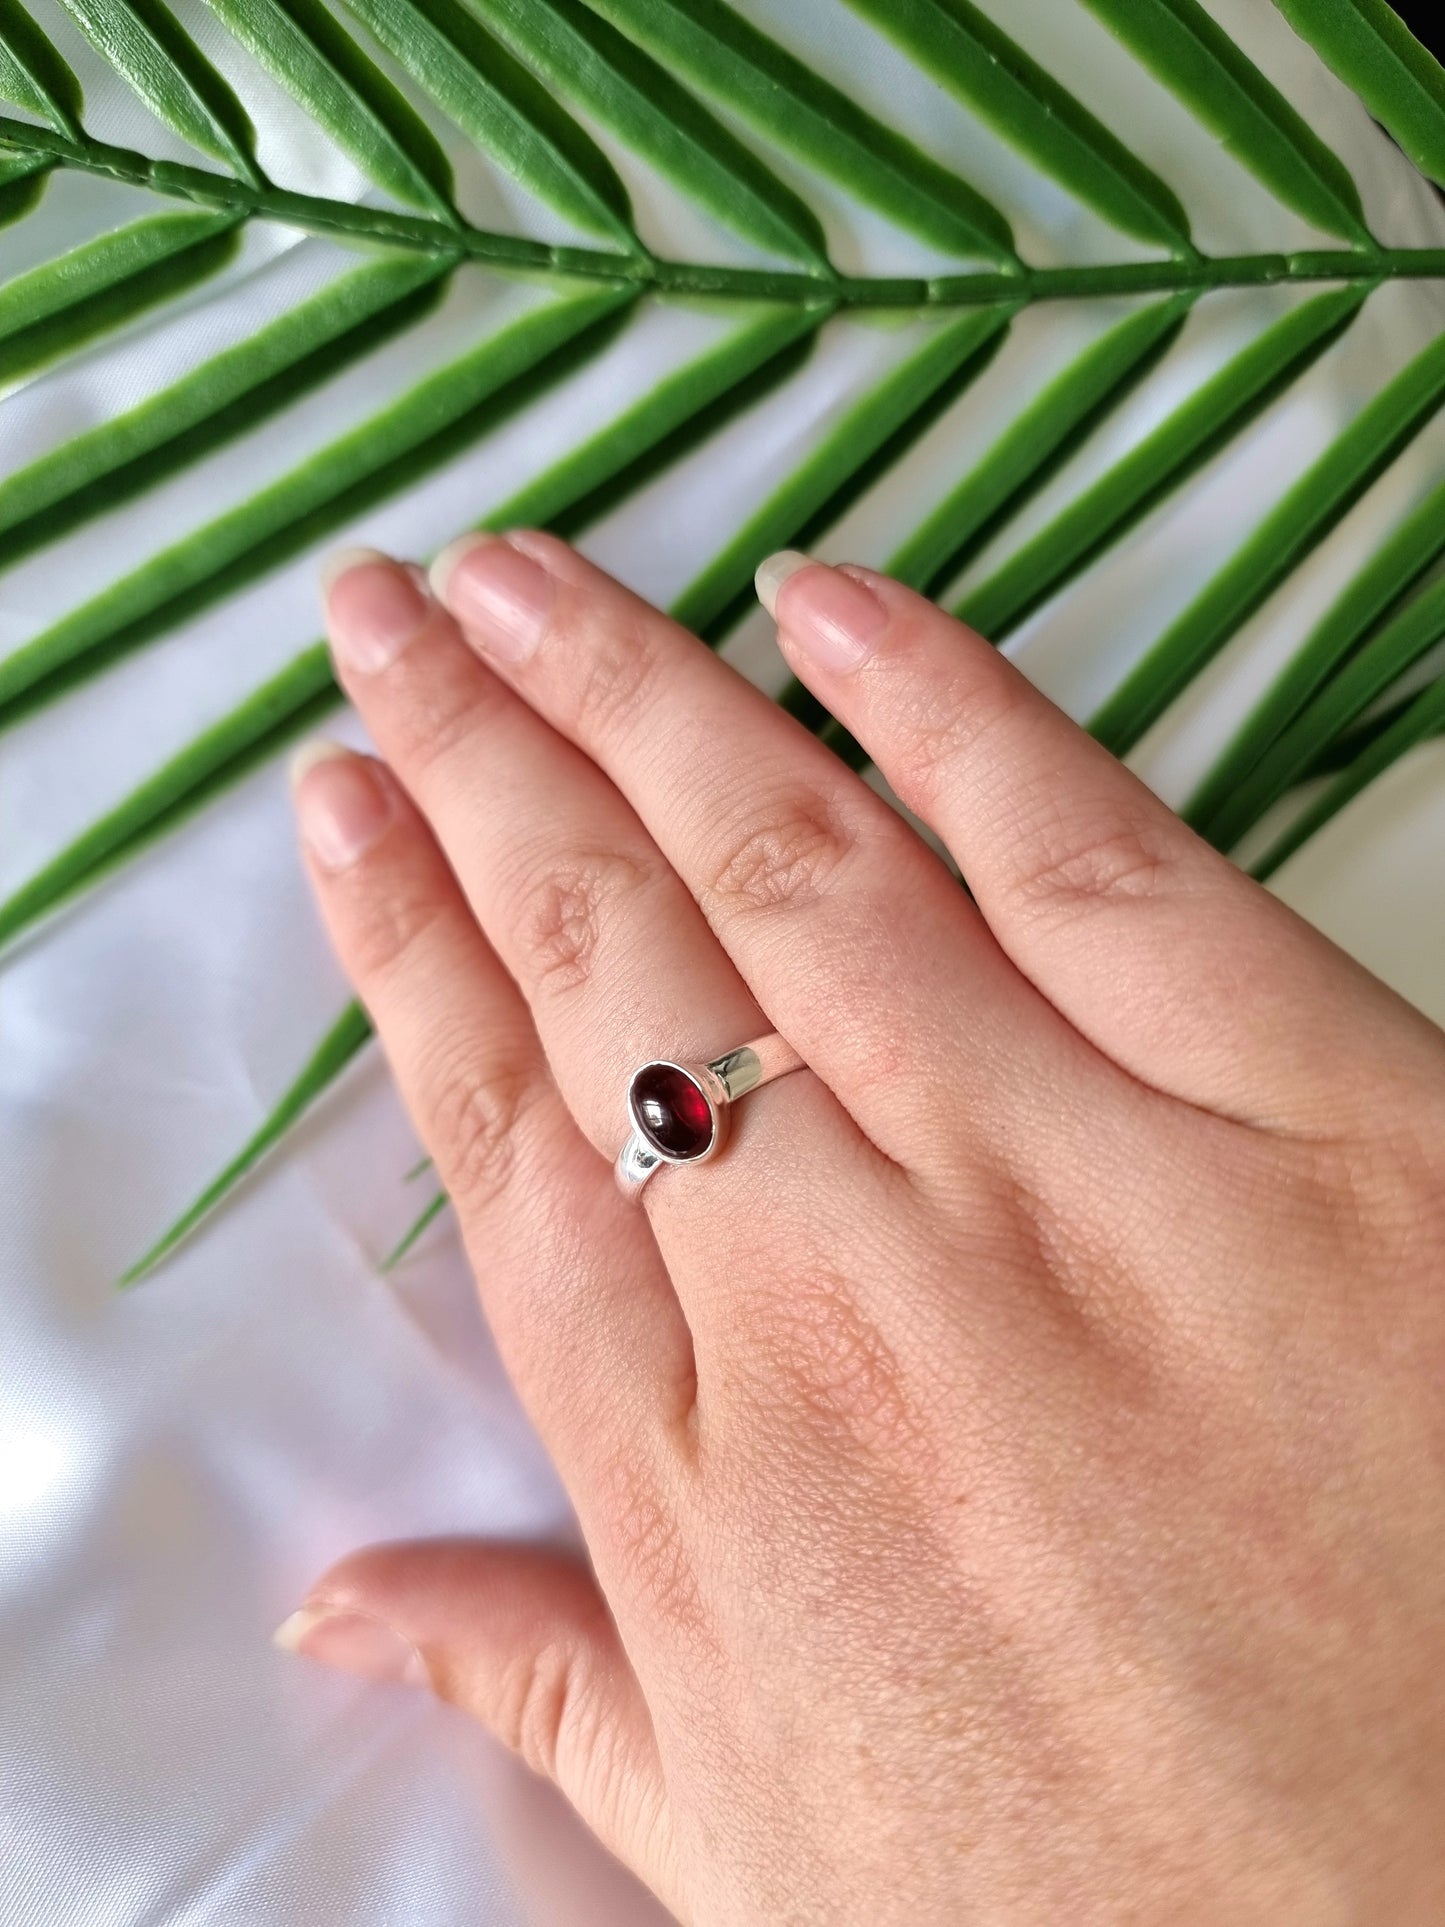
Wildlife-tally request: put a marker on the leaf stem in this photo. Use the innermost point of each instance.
(388, 228)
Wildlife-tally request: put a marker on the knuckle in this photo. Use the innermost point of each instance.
(1072, 864)
(544, 1701)
(388, 928)
(561, 914)
(475, 1116)
(610, 684)
(784, 859)
(441, 725)
(940, 741)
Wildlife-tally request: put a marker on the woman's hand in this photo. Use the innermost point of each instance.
(1013, 1469)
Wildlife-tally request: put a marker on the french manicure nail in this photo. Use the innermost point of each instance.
(501, 597)
(342, 806)
(353, 1642)
(831, 620)
(374, 607)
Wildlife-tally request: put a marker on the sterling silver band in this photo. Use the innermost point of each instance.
(679, 1110)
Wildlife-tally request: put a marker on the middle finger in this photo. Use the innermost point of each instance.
(852, 934)
(610, 951)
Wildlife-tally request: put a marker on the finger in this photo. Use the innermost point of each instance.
(610, 950)
(521, 1640)
(1153, 945)
(572, 1284)
(847, 928)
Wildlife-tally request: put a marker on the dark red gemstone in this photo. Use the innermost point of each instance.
(671, 1112)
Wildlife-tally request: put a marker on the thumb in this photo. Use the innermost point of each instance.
(520, 1639)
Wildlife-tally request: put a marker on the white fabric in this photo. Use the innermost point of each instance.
(177, 1464)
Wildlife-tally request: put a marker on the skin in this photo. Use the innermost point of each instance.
(1012, 1470)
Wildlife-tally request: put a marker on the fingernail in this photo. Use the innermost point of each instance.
(342, 806)
(502, 598)
(352, 1642)
(374, 607)
(830, 619)
(773, 571)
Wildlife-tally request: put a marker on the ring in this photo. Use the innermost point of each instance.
(679, 1111)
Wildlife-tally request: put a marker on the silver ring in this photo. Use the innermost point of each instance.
(679, 1111)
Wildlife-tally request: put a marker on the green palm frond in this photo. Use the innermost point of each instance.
(572, 100)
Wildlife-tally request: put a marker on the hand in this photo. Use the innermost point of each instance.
(1012, 1470)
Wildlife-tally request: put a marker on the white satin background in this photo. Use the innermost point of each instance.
(176, 1464)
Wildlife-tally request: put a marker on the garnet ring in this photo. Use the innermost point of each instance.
(679, 1111)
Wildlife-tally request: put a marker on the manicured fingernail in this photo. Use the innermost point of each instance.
(342, 805)
(830, 619)
(374, 607)
(502, 598)
(352, 1642)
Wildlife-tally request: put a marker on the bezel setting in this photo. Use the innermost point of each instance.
(710, 1088)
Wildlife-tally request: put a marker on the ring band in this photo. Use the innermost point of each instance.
(679, 1111)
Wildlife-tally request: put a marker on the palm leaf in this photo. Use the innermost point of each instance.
(598, 69)
(345, 92)
(33, 75)
(1340, 701)
(426, 1217)
(1420, 719)
(1140, 481)
(215, 403)
(1247, 766)
(143, 40)
(1199, 62)
(337, 1049)
(564, 96)
(1305, 514)
(1375, 54)
(425, 424)
(966, 53)
(54, 309)
(503, 108)
(718, 52)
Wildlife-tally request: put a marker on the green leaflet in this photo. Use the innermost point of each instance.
(302, 45)
(1375, 54)
(270, 717)
(1298, 522)
(336, 1050)
(33, 75)
(145, 43)
(1391, 571)
(22, 181)
(966, 53)
(1423, 718)
(503, 109)
(718, 51)
(592, 65)
(224, 397)
(1329, 714)
(447, 409)
(430, 1212)
(1217, 411)
(873, 432)
(583, 484)
(679, 413)
(106, 282)
(1197, 60)
(1031, 448)
(1342, 750)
